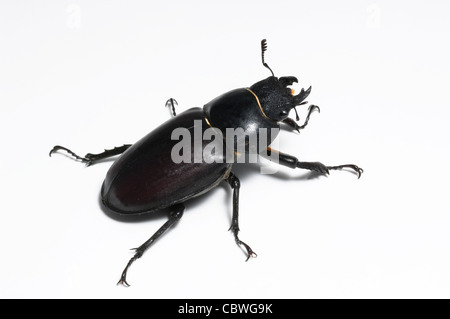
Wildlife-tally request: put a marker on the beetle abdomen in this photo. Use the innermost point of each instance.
(146, 178)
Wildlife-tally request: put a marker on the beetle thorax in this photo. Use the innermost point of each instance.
(240, 110)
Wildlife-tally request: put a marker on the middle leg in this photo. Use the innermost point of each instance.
(235, 185)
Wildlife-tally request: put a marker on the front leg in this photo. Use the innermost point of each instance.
(291, 122)
(292, 162)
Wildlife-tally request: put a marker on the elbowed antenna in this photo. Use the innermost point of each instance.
(263, 49)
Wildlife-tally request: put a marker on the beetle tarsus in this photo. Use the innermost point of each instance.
(291, 122)
(82, 159)
(250, 252)
(123, 277)
(171, 103)
(293, 162)
(123, 282)
(311, 109)
(322, 169)
(358, 170)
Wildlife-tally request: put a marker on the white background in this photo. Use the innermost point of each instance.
(93, 75)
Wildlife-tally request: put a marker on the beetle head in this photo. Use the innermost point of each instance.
(276, 98)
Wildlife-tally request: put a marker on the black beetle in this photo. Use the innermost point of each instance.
(145, 178)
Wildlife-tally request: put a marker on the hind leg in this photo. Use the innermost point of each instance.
(175, 215)
(89, 158)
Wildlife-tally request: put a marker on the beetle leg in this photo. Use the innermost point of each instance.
(358, 170)
(107, 153)
(89, 158)
(171, 105)
(292, 162)
(311, 109)
(321, 168)
(175, 215)
(291, 122)
(235, 185)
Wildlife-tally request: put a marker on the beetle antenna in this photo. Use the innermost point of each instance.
(264, 49)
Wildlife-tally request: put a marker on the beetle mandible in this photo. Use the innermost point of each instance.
(145, 178)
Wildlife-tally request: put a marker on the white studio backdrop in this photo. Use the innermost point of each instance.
(92, 75)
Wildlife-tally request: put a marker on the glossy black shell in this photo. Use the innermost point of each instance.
(146, 179)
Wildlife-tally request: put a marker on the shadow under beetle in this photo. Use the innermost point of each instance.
(145, 179)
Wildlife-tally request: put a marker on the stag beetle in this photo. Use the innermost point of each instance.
(147, 178)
